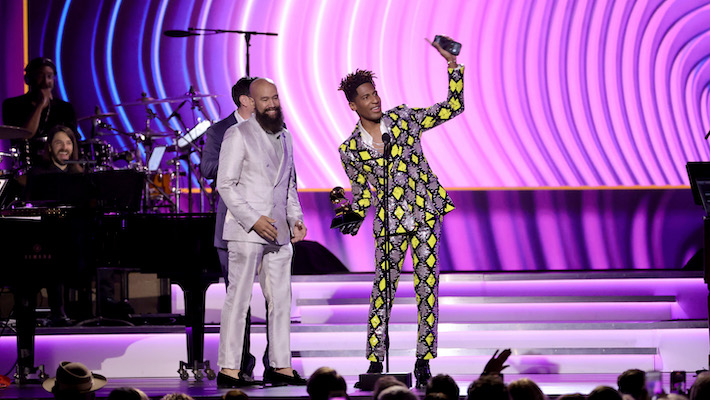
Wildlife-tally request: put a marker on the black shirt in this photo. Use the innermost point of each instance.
(16, 111)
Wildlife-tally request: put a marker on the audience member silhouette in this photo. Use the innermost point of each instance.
(701, 387)
(435, 396)
(325, 383)
(127, 393)
(488, 387)
(572, 396)
(445, 385)
(383, 383)
(525, 389)
(397, 393)
(177, 396)
(633, 382)
(235, 394)
(604, 393)
(673, 396)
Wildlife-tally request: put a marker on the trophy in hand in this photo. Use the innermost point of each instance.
(347, 220)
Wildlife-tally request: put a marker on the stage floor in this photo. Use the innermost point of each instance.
(569, 332)
(552, 384)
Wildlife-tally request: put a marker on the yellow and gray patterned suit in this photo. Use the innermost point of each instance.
(416, 205)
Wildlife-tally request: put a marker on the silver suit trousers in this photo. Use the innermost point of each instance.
(272, 263)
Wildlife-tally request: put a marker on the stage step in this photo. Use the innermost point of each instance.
(555, 323)
(643, 296)
(577, 322)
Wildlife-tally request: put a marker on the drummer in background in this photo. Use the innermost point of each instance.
(38, 110)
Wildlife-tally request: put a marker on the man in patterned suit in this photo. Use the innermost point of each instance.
(416, 201)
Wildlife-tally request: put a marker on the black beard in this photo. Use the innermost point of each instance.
(270, 124)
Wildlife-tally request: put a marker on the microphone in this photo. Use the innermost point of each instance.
(175, 113)
(178, 33)
(387, 141)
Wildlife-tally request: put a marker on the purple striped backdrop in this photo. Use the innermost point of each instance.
(559, 94)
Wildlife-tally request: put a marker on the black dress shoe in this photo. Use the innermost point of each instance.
(226, 381)
(375, 367)
(248, 364)
(422, 372)
(275, 378)
(60, 321)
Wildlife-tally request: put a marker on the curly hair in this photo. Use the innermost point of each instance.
(350, 83)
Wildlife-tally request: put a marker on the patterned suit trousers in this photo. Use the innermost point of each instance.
(424, 244)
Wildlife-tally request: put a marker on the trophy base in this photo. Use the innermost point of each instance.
(344, 219)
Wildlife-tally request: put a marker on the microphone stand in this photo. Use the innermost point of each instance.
(388, 264)
(206, 31)
(367, 381)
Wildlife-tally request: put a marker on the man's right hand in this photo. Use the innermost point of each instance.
(264, 227)
(44, 97)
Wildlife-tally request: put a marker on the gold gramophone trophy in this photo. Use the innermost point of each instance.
(345, 217)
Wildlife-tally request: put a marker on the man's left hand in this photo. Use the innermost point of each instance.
(299, 232)
(450, 58)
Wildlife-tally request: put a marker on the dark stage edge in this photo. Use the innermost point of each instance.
(155, 388)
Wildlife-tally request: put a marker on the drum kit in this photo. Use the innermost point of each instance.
(162, 188)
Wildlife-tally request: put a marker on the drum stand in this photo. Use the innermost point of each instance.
(196, 105)
(149, 204)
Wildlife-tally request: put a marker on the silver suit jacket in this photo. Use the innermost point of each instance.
(253, 181)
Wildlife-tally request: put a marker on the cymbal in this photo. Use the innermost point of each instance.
(97, 116)
(152, 133)
(13, 132)
(149, 100)
(188, 96)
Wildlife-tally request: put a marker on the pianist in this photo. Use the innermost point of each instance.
(61, 148)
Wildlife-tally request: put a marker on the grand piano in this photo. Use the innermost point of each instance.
(103, 228)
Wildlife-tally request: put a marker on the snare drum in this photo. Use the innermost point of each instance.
(99, 151)
(160, 184)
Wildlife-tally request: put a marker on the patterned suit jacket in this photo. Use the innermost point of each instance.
(416, 196)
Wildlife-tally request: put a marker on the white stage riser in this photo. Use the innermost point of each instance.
(543, 352)
(622, 300)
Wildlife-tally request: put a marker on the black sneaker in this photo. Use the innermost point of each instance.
(422, 372)
(375, 367)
